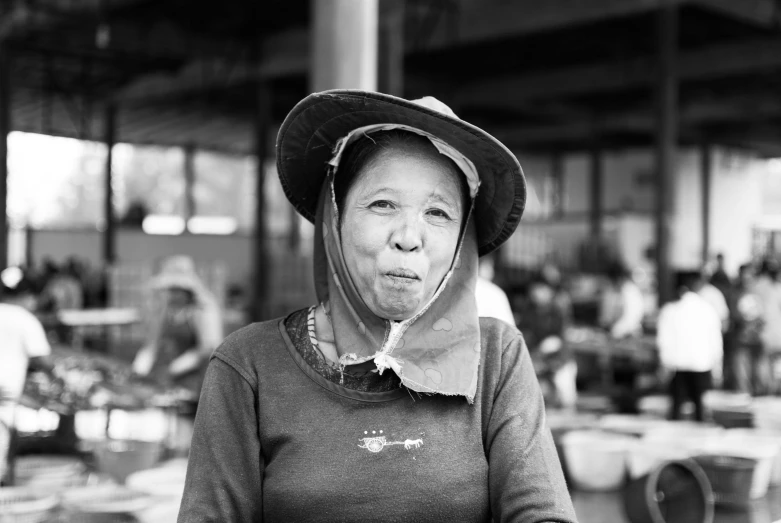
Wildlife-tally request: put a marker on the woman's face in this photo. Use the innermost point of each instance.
(178, 297)
(400, 227)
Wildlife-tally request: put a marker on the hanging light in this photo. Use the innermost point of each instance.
(103, 35)
(103, 31)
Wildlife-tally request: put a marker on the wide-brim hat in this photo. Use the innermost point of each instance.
(178, 272)
(310, 132)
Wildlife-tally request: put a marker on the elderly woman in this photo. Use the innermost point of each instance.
(389, 400)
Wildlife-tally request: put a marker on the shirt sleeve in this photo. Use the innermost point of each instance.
(210, 328)
(665, 335)
(631, 319)
(526, 482)
(36, 344)
(225, 464)
(716, 341)
(721, 305)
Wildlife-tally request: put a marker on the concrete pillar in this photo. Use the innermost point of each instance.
(596, 193)
(557, 176)
(109, 235)
(189, 182)
(5, 128)
(261, 256)
(706, 170)
(344, 44)
(390, 55)
(666, 142)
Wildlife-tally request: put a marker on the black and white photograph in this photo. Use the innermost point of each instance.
(509, 261)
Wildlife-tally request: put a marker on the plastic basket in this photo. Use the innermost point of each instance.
(730, 478)
(165, 480)
(104, 504)
(767, 413)
(49, 472)
(630, 425)
(765, 437)
(25, 505)
(694, 438)
(595, 460)
(733, 418)
(646, 455)
(673, 492)
(120, 458)
(762, 452)
(34, 466)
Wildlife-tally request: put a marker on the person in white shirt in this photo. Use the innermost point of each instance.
(492, 302)
(690, 345)
(22, 340)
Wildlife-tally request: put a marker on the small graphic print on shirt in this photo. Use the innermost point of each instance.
(376, 443)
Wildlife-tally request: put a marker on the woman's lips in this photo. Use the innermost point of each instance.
(403, 275)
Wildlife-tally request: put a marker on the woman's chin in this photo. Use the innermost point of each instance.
(397, 311)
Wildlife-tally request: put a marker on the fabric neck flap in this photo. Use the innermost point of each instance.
(437, 351)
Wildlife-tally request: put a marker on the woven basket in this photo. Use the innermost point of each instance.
(730, 477)
(25, 505)
(49, 472)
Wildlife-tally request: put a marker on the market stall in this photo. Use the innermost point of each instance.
(111, 426)
(611, 357)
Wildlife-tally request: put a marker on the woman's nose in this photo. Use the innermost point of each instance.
(407, 237)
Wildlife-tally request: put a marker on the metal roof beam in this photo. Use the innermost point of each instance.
(759, 12)
(283, 54)
(714, 112)
(711, 62)
(478, 20)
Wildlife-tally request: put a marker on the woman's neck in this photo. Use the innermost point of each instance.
(324, 331)
(326, 341)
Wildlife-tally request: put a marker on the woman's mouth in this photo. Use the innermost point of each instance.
(402, 275)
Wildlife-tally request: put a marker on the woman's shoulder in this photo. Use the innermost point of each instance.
(498, 332)
(250, 345)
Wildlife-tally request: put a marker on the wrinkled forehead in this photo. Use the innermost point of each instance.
(412, 169)
(466, 166)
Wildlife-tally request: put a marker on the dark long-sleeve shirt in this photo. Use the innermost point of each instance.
(276, 441)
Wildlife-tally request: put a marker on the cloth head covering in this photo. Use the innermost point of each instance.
(436, 351)
(179, 271)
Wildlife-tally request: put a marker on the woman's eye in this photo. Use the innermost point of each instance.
(382, 204)
(439, 213)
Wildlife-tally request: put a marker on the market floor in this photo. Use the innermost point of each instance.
(607, 507)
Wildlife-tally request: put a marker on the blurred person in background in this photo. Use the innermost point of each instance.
(63, 289)
(622, 306)
(621, 312)
(715, 297)
(23, 345)
(389, 399)
(543, 323)
(186, 327)
(719, 277)
(690, 345)
(768, 289)
(492, 302)
(743, 354)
